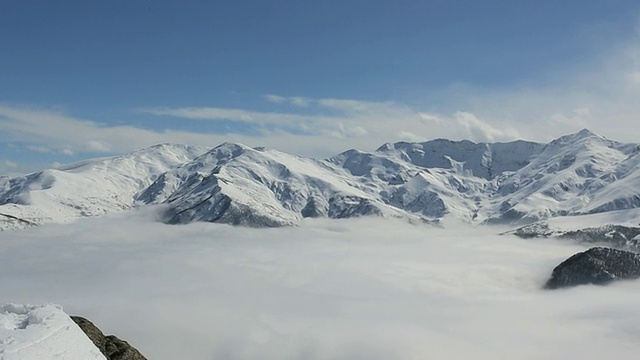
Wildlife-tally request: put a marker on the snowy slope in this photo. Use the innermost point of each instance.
(517, 182)
(429, 192)
(504, 182)
(90, 188)
(42, 332)
(576, 174)
(260, 187)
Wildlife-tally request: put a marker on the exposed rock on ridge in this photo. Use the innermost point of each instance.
(110, 346)
(618, 236)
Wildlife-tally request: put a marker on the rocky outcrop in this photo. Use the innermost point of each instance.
(615, 235)
(597, 265)
(618, 236)
(110, 346)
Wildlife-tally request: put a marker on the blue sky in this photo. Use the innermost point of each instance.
(95, 78)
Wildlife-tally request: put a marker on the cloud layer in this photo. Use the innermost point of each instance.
(324, 290)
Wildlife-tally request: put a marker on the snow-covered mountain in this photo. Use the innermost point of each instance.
(515, 182)
(236, 184)
(89, 188)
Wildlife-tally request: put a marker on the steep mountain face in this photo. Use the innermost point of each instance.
(516, 182)
(480, 160)
(429, 192)
(581, 173)
(258, 187)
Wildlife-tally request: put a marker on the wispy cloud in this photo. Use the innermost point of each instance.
(42, 149)
(355, 120)
(276, 99)
(240, 115)
(340, 124)
(602, 97)
(10, 164)
(53, 131)
(298, 101)
(8, 168)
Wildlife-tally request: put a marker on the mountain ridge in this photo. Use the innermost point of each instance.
(514, 182)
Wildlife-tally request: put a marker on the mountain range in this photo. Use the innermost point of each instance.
(515, 182)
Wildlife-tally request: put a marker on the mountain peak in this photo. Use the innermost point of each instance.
(585, 133)
(230, 144)
(575, 174)
(580, 135)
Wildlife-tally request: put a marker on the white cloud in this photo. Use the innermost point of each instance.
(351, 124)
(328, 289)
(601, 96)
(9, 168)
(10, 164)
(294, 100)
(578, 117)
(276, 99)
(96, 146)
(427, 118)
(364, 123)
(299, 101)
(409, 136)
(224, 114)
(477, 129)
(68, 135)
(42, 149)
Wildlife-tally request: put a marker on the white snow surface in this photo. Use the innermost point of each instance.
(89, 188)
(42, 332)
(514, 183)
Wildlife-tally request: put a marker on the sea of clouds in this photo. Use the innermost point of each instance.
(327, 289)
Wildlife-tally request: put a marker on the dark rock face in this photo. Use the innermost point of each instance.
(597, 265)
(110, 346)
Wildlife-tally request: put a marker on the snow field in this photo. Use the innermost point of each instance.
(42, 332)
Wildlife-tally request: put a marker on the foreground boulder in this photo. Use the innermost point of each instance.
(597, 265)
(112, 347)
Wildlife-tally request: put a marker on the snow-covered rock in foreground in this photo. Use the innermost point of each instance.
(42, 332)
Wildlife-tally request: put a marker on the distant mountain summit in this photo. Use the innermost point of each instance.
(514, 182)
